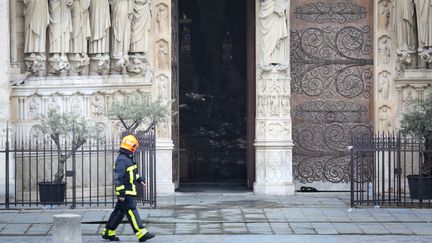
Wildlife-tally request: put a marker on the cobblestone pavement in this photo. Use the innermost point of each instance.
(236, 217)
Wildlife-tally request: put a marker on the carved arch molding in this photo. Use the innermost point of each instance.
(332, 72)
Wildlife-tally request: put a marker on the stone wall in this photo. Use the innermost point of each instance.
(88, 80)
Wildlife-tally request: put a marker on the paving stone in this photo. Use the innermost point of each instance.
(373, 228)
(347, 228)
(336, 215)
(419, 228)
(397, 228)
(161, 229)
(275, 215)
(90, 229)
(281, 228)
(324, 228)
(294, 215)
(259, 228)
(425, 215)
(38, 229)
(15, 229)
(186, 229)
(234, 228)
(405, 215)
(382, 215)
(302, 228)
(210, 228)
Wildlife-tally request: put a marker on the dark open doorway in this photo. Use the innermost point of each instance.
(213, 92)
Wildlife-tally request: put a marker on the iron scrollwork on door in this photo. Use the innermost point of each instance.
(331, 69)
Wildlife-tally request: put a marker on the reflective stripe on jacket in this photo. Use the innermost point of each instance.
(126, 175)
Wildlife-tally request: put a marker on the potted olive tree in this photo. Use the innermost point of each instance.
(132, 114)
(68, 132)
(418, 124)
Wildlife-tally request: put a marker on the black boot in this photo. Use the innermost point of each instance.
(110, 238)
(147, 236)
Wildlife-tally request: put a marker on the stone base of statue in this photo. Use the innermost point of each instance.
(137, 65)
(99, 64)
(58, 65)
(118, 65)
(406, 59)
(79, 64)
(36, 64)
(425, 55)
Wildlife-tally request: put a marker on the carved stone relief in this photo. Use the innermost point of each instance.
(409, 95)
(162, 54)
(35, 107)
(384, 15)
(162, 18)
(384, 50)
(384, 115)
(76, 105)
(384, 85)
(55, 103)
(97, 105)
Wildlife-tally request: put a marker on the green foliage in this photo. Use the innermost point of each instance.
(66, 126)
(136, 112)
(418, 122)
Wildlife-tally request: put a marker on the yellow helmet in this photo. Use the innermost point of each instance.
(130, 143)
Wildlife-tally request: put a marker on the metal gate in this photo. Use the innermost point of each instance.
(387, 170)
(332, 71)
(29, 160)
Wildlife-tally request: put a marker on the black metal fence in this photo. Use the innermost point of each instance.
(29, 162)
(389, 170)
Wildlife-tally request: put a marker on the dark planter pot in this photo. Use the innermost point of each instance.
(420, 188)
(52, 193)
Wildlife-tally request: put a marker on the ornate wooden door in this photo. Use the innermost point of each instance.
(332, 72)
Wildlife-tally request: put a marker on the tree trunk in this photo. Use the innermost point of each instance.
(427, 157)
(60, 170)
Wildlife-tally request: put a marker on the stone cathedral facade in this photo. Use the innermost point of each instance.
(318, 71)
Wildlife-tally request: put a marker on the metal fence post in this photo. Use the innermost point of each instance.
(350, 149)
(7, 199)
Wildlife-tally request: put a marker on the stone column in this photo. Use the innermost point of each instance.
(164, 182)
(273, 142)
(4, 85)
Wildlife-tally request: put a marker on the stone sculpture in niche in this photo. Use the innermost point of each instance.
(384, 118)
(60, 27)
(97, 104)
(424, 31)
(384, 17)
(404, 27)
(80, 35)
(274, 29)
(140, 36)
(384, 85)
(162, 19)
(34, 108)
(384, 50)
(100, 23)
(36, 21)
(162, 55)
(122, 12)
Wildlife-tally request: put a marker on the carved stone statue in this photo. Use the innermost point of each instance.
(36, 15)
(384, 50)
(81, 26)
(384, 118)
(274, 29)
(100, 23)
(36, 21)
(79, 36)
(141, 24)
(384, 85)
(162, 55)
(162, 18)
(122, 11)
(404, 24)
(384, 17)
(60, 26)
(424, 22)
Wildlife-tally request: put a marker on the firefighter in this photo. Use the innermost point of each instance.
(125, 176)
